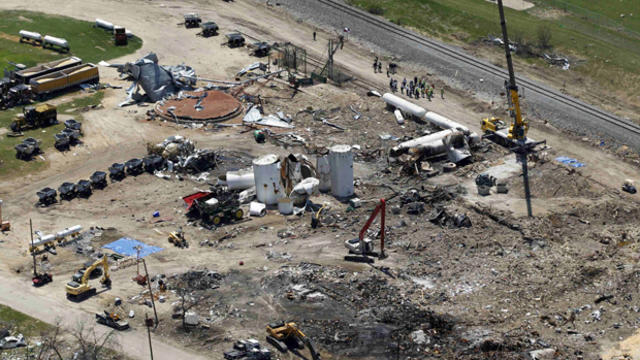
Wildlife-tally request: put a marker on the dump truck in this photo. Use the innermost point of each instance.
(27, 149)
(44, 85)
(47, 196)
(34, 117)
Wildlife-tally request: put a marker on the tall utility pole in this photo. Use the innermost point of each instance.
(33, 252)
(153, 302)
(518, 129)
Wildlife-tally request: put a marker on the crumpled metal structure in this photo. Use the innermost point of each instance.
(157, 81)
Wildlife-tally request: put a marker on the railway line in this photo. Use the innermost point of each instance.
(434, 46)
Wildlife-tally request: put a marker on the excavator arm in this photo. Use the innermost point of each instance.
(380, 209)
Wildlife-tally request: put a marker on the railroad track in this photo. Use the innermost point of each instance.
(489, 68)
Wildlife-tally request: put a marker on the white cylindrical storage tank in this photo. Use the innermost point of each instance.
(44, 240)
(266, 172)
(56, 41)
(104, 24)
(427, 139)
(75, 229)
(341, 163)
(407, 107)
(446, 123)
(323, 171)
(240, 180)
(30, 35)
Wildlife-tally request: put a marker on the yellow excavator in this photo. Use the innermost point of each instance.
(79, 289)
(284, 336)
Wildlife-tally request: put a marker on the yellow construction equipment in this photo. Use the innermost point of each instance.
(492, 124)
(79, 288)
(286, 336)
(177, 238)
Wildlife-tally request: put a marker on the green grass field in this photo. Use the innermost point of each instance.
(88, 43)
(22, 323)
(584, 29)
(9, 164)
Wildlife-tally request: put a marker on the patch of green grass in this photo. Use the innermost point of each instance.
(21, 323)
(9, 164)
(88, 43)
(612, 53)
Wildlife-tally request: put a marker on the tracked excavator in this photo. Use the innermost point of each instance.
(362, 246)
(79, 288)
(284, 336)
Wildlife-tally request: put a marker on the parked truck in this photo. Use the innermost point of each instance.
(34, 117)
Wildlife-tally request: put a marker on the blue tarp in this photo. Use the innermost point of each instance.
(570, 161)
(126, 246)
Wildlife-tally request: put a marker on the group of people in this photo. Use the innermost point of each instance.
(415, 88)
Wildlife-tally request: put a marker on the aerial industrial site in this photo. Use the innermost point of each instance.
(319, 179)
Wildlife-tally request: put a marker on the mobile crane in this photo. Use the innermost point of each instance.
(79, 289)
(519, 127)
(288, 336)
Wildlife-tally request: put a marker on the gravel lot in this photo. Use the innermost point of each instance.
(484, 85)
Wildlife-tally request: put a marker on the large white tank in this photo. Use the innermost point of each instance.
(43, 240)
(52, 40)
(341, 164)
(74, 230)
(446, 123)
(104, 24)
(417, 142)
(323, 171)
(30, 35)
(240, 180)
(407, 107)
(266, 172)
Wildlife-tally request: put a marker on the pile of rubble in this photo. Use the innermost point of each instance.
(181, 155)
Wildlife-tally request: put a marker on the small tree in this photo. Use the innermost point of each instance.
(189, 298)
(90, 344)
(51, 343)
(544, 37)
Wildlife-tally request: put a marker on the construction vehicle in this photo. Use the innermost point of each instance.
(27, 149)
(177, 238)
(215, 208)
(81, 289)
(34, 117)
(492, 124)
(14, 96)
(519, 127)
(362, 246)
(112, 320)
(249, 349)
(47, 196)
(284, 336)
(38, 279)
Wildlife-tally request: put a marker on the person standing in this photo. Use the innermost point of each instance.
(380, 67)
(314, 36)
(442, 93)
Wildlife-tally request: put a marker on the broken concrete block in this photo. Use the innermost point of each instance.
(543, 354)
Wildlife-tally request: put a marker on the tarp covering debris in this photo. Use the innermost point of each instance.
(128, 247)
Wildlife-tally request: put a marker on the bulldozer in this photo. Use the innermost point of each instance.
(284, 336)
(80, 290)
(34, 117)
